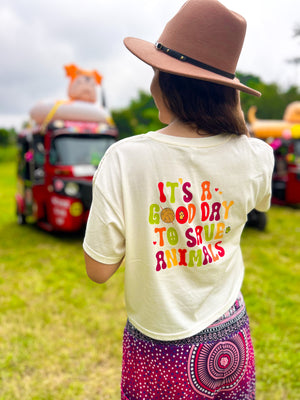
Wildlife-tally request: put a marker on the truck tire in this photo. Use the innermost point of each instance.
(21, 219)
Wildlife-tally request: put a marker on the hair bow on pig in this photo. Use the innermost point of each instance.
(73, 71)
(83, 83)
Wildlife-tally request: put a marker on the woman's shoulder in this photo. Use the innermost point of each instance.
(252, 144)
(258, 153)
(259, 144)
(128, 142)
(262, 150)
(251, 153)
(126, 151)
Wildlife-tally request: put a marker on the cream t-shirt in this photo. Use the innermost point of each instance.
(176, 207)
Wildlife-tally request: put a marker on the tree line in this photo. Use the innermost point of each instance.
(7, 136)
(141, 114)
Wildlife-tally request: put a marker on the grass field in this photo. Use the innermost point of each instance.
(61, 334)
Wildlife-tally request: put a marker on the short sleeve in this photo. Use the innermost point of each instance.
(104, 239)
(264, 194)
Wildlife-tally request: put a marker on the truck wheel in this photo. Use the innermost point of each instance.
(257, 219)
(21, 219)
(261, 221)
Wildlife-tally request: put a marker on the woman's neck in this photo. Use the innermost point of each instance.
(181, 129)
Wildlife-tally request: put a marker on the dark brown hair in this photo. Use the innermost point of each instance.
(208, 106)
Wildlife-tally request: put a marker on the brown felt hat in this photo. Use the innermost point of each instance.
(202, 41)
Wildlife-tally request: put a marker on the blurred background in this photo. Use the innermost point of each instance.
(60, 334)
(37, 38)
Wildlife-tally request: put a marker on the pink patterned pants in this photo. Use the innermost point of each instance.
(215, 364)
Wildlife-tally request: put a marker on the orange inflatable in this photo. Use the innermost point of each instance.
(82, 103)
(287, 128)
(83, 83)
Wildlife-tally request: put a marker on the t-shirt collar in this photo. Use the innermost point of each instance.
(207, 141)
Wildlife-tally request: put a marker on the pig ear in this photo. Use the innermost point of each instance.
(71, 70)
(98, 77)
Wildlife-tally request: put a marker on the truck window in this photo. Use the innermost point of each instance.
(79, 149)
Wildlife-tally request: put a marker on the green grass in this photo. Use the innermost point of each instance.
(8, 153)
(61, 334)
(271, 289)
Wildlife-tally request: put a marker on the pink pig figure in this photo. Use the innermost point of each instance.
(83, 83)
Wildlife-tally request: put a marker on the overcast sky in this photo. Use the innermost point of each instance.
(39, 37)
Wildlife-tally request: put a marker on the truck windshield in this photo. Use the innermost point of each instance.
(79, 149)
(297, 148)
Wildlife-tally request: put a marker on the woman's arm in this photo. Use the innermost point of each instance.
(99, 272)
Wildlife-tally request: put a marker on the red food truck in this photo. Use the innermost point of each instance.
(58, 155)
(55, 170)
(284, 137)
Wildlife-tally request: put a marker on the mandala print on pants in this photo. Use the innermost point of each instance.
(215, 364)
(225, 364)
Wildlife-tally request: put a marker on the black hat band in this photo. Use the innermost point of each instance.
(189, 60)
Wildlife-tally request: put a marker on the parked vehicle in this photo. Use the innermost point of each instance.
(59, 153)
(257, 219)
(55, 171)
(284, 137)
